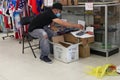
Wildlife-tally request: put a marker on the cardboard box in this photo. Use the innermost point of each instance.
(72, 2)
(84, 51)
(70, 38)
(64, 2)
(86, 41)
(64, 51)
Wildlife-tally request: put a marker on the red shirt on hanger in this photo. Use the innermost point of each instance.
(33, 5)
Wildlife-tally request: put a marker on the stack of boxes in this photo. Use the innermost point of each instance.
(84, 48)
(68, 48)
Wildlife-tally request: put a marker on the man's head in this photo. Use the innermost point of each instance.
(57, 8)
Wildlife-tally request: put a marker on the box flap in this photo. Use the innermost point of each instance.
(64, 44)
(57, 39)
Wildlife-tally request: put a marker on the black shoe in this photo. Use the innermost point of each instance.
(46, 59)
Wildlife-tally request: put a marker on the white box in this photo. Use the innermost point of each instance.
(65, 52)
(48, 3)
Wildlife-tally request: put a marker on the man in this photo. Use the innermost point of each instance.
(36, 28)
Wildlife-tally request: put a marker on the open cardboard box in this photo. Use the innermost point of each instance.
(84, 49)
(72, 39)
(65, 51)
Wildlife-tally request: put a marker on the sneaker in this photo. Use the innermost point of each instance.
(46, 59)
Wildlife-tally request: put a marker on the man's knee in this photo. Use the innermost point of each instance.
(45, 36)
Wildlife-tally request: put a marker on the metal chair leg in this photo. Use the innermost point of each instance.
(23, 43)
(31, 48)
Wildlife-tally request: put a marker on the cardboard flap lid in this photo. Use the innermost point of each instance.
(65, 44)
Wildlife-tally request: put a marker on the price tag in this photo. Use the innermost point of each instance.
(48, 3)
(89, 6)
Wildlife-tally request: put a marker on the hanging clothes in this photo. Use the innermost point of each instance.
(2, 23)
(0, 12)
(21, 4)
(12, 4)
(40, 5)
(17, 25)
(6, 22)
(2, 28)
(17, 20)
(33, 5)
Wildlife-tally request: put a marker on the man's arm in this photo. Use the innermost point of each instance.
(67, 24)
(52, 26)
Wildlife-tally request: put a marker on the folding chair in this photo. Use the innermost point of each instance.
(26, 36)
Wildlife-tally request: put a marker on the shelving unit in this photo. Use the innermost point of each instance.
(103, 47)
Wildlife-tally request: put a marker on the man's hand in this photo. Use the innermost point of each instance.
(79, 26)
(54, 28)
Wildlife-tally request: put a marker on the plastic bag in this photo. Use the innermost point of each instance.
(101, 71)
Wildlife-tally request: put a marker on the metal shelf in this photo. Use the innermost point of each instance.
(105, 6)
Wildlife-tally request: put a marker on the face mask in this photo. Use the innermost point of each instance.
(58, 14)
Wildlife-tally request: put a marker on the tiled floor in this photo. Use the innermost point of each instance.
(17, 66)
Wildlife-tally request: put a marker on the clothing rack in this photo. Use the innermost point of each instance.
(8, 31)
(7, 35)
